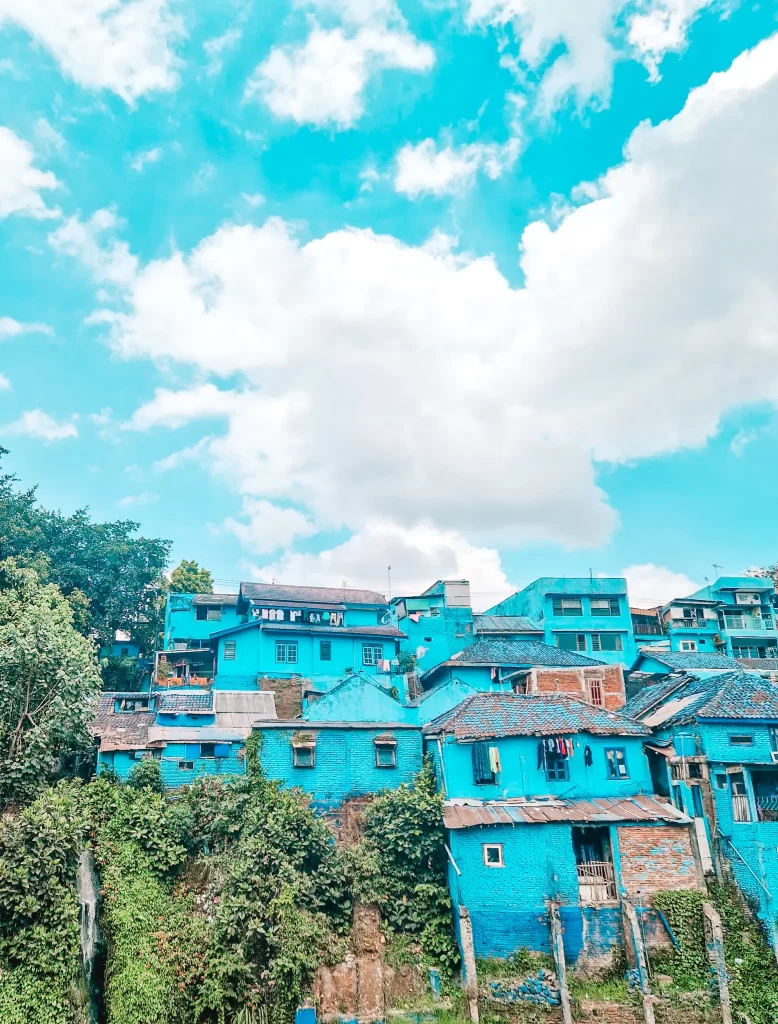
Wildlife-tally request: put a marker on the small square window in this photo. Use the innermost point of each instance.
(229, 650)
(616, 763)
(286, 654)
(372, 654)
(721, 782)
(386, 755)
(304, 756)
(688, 645)
(186, 766)
(325, 650)
(695, 770)
(493, 855)
(207, 750)
(557, 769)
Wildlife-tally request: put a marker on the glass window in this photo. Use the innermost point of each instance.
(493, 855)
(304, 756)
(605, 606)
(385, 755)
(721, 782)
(286, 654)
(557, 769)
(567, 605)
(129, 704)
(186, 766)
(741, 740)
(208, 613)
(571, 641)
(229, 650)
(372, 654)
(607, 642)
(325, 650)
(207, 750)
(616, 763)
(688, 645)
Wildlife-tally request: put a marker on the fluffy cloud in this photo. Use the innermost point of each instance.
(144, 498)
(20, 182)
(592, 37)
(426, 169)
(269, 526)
(218, 46)
(36, 423)
(322, 80)
(650, 585)
(5, 384)
(10, 328)
(148, 156)
(122, 45)
(110, 261)
(412, 383)
(417, 556)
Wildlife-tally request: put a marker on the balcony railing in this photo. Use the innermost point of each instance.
(597, 882)
(694, 624)
(755, 623)
(767, 808)
(647, 629)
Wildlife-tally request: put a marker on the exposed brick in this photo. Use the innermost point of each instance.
(654, 858)
(575, 681)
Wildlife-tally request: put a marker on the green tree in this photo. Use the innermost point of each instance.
(114, 580)
(50, 683)
(189, 578)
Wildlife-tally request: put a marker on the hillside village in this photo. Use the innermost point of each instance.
(589, 756)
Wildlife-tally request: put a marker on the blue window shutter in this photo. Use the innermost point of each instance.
(192, 751)
(221, 750)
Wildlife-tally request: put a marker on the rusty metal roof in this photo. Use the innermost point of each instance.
(607, 810)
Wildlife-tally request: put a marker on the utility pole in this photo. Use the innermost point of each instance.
(389, 580)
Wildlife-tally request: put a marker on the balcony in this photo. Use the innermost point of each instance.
(694, 624)
(767, 808)
(647, 629)
(751, 623)
(597, 882)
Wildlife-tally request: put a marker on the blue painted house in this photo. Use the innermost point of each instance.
(192, 619)
(714, 752)
(655, 662)
(436, 623)
(550, 799)
(320, 634)
(588, 615)
(745, 606)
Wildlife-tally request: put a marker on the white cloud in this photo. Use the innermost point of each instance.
(382, 380)
(5, 384)
(122, 45)
(20, 182)
(218, 46)
(269, 526)
(36, 423)
(322, 81)
(47, 135)
(144, 498)
(417, 555)
(253, 199)
(649, 585)
(593, 38)
(102, 418)
(148, 156)
(426, 169)
(10, 328)
(191, 454)
(110, 261)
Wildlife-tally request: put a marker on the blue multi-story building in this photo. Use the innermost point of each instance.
(714, 753)
(745, 606)
(548, 799)
(191, 619)
(436, 623)
(589, 615)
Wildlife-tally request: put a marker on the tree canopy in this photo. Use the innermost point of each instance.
(50, 683)
(114, 579)
(189, 578)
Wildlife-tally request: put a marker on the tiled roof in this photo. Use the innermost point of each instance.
(309, 596)
(505, 624)
(540, 812)
(690, 660)
(485, 715)
(304, 627)
(176, 703)
(761, 664)
(731, 695)
(490, 650)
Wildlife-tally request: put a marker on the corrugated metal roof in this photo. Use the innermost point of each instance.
(225, 599)
(309, 596)
(486, 715)
(505, 624)
(606, 810)
(159, 734)
(304, 627)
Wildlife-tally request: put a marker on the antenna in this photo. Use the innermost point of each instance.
(717, 569)
(389, 580)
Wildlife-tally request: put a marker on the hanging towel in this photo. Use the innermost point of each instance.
(588, 759)
(494, 760)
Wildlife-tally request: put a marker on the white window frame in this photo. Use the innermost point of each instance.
(230, 650)
(290, 652)
(296, 748)
(369, 657)
(385, 745)
(500, 863)
(603, 613)
(688, 645)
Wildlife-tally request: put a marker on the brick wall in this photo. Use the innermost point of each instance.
(575, 681)
(654, 858)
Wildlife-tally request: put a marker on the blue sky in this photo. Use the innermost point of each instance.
(483, 288)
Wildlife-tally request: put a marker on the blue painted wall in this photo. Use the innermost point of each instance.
(345, 760)
(181, 622)
(173, 776)
(759, 620)
(358, 700)
(536, 602)
(256, 655)
(520, 775)
(441, 629)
